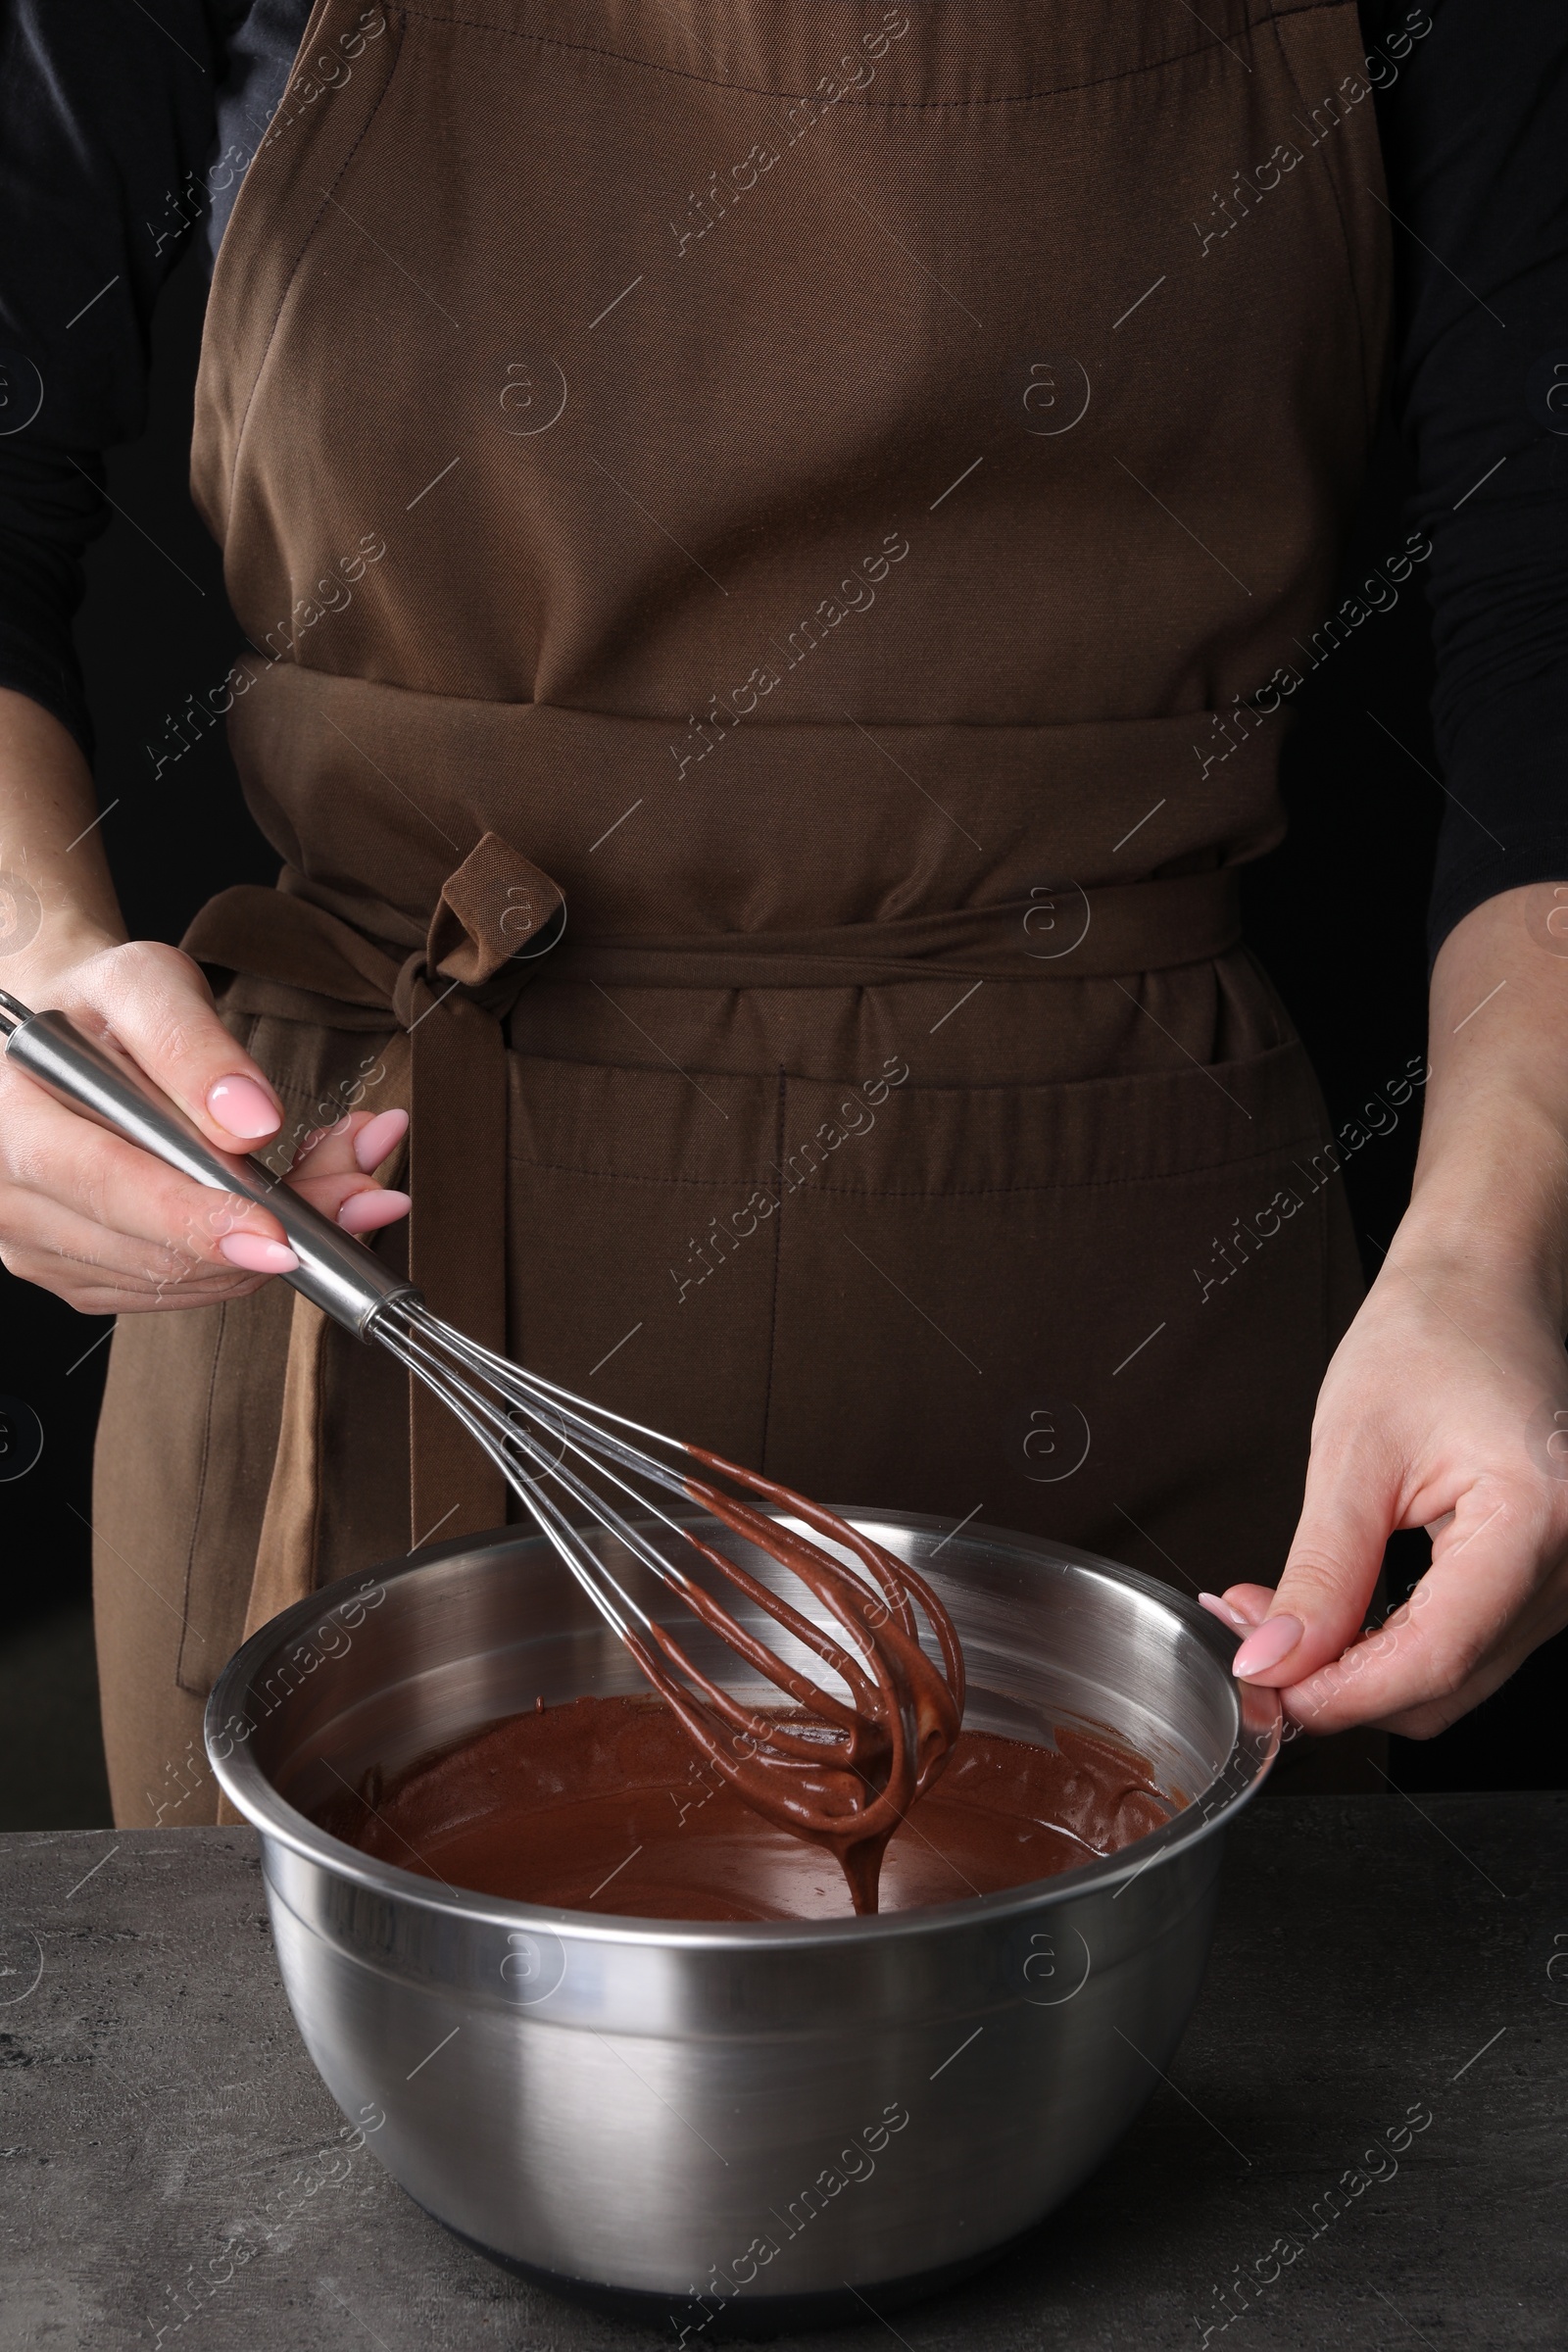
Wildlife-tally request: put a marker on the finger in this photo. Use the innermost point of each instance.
(1477, 1612)
(1240, 1607)
(48, 1155)
(1432, 1716)
(379, 1138)
(354, 1146)
(1348, 1511)
(368, 1211)
(89, 1292)
(155, 1005)
(45, 1227)
(332, 1170)
(257, 1255)
(71, 1255)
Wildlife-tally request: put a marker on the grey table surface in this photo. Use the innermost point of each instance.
(1385, 2018)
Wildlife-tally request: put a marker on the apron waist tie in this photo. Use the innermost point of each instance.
(1060, 932)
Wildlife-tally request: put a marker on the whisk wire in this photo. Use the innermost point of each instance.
(503, 1439)
(589, 1571)
(560, 1410)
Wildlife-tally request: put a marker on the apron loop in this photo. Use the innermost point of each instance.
(496, 905)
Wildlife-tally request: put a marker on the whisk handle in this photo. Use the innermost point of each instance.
(336, 1272)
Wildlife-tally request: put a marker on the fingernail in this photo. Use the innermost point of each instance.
(383, 1135)
(1222, 1609)
(367, 1212)
(257, 1255)
(1274, 1640)
(245, 1108)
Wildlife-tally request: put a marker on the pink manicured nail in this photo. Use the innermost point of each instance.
(257, 1256)
(245, 1108)
(383, 1135)
(1222, 1609)
(1274, 1640)
(367, 1212)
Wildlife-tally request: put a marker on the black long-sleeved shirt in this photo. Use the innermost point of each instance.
(125, 129)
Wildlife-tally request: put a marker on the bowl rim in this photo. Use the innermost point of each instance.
(1258, 1735)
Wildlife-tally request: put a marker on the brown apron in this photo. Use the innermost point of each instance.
(828, 489)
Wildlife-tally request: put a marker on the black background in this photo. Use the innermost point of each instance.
(1337, 915)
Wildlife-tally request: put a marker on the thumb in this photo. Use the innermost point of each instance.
(154, 1002)
(1347, 1514)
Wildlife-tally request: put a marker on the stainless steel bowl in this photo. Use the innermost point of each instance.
(731, 2129)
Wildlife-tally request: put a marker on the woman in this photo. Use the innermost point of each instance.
(841, 499)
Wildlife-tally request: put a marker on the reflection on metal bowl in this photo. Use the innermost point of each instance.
(732, 2129)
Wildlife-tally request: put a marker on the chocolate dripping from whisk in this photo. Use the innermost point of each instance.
(841, 1775)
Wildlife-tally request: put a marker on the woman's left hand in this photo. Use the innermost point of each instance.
(1446, 1406)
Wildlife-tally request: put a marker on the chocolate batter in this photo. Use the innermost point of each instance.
(600, 1804)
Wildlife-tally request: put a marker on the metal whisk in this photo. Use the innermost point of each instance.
(840, 1770)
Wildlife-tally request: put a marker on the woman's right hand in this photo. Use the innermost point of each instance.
(103, 1224)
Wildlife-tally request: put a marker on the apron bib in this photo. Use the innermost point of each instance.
(768, 540)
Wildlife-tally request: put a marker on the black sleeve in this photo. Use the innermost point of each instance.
(1475, 136)
(107, 137)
